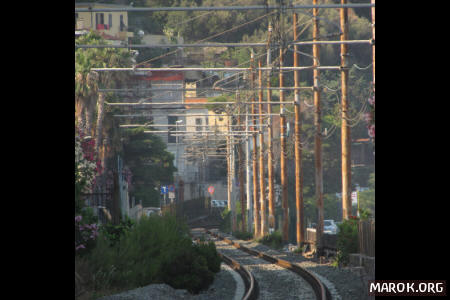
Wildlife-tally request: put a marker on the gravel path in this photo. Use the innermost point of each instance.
(342, 283)
(274, 281)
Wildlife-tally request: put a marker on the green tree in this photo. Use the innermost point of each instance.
(150, 164)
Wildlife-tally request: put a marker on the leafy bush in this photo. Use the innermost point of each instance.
(347, 240)
(191, 268)
(299, 250)
(157, 249)
(243, 235)
(225, 226)
(209, 251)
(113, 233)
(86, 231)
(273, 240)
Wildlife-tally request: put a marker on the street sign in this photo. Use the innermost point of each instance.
(164, 189)
(211, 190)
(171, 195)
(354, 197)
(171, 188)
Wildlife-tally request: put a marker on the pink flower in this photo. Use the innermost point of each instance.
(78, 218)
(80, 247)
(372, 131)
(372, 101)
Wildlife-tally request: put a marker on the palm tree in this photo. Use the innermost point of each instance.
(87, 82)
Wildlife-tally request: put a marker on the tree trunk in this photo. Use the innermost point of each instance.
(100, 114)
(89, 112)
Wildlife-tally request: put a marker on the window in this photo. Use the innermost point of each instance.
(109, 21)
(171, 121)
(122, 25)
(99, 19)
(198, 122)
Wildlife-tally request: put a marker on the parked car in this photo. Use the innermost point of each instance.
(329, 226)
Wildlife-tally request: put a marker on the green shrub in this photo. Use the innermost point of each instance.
(114, 232)
(187, 268)
(299, 250)
(347, 240)
(157, 249)
(225, 226)
(243, 235)
(273, 240)
(209, 251)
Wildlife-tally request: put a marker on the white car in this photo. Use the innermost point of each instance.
(329, 226)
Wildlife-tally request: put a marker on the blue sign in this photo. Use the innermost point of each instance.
(171, 188)
(164, 189)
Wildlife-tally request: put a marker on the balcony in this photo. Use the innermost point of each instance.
(102, 27)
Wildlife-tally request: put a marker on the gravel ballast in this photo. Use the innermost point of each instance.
(342, 283)
(274, 281)
(223, 287)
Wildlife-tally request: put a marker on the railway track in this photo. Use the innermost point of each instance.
(251, 286)
(273, 278)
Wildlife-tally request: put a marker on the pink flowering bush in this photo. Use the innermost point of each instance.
(85, 234)
(87, 166)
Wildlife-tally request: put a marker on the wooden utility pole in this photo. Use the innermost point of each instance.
(318, 135)
(270, 144)
(256, 203)
(230, 161)
(262, 186)
(299, 205)
(345, 129)
(373, 44)
(284, 194)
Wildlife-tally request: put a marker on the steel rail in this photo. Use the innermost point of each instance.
(221, 8)
(322, 293)
(250, 283)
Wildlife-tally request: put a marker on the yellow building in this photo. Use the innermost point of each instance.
(214, 122)
(218, 122)
(110, 25)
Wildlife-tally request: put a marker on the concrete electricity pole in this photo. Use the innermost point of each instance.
(299, 205)
(262, 185)
(345, 129)
(248, 176)
(318, 135)
(241, 173)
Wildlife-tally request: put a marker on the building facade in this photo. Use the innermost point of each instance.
(112, 26)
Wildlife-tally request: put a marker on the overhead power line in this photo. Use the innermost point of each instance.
(305, 43)
(222, 8)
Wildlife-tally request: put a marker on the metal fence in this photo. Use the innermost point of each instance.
(329, 240)
(188, 209)
(366, 237)
(101, 203)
